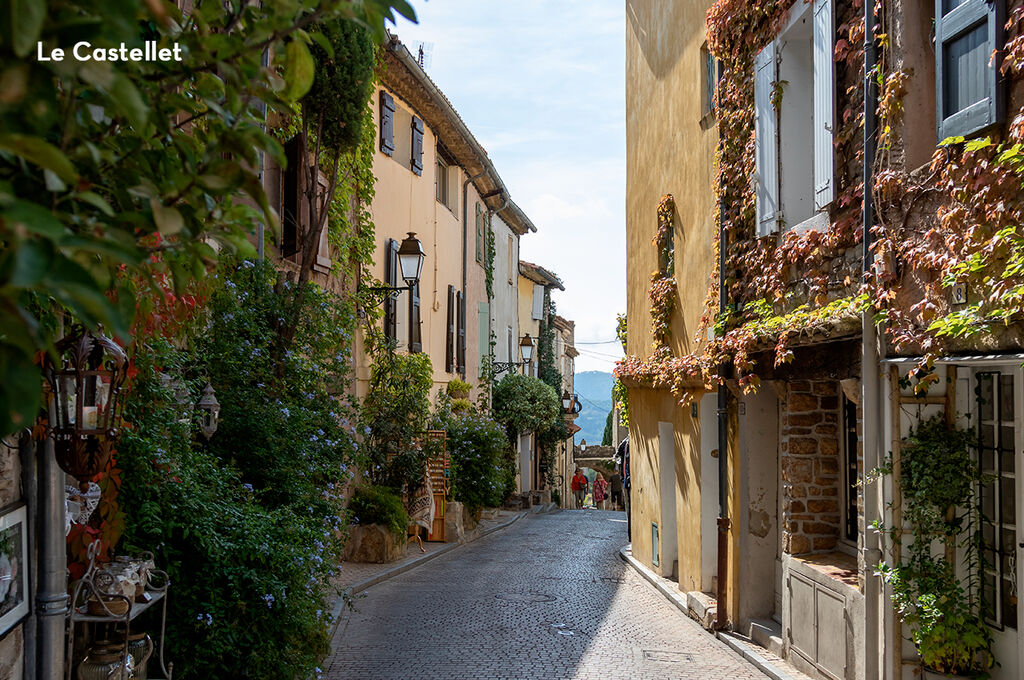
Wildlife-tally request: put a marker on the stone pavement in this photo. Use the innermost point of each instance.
(546, 598)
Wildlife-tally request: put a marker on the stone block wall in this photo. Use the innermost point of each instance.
(809, 454)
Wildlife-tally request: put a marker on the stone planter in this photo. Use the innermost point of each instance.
(470, 519)
(454, 528)
(935, 675)
(373, 543)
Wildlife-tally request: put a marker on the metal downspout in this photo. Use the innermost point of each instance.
(27, 455)
(870, 399)
(724, 523)
(51, 594)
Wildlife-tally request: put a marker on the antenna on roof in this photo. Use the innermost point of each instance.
(424, 50)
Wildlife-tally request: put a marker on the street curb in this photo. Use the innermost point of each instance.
(679, 600)
(339, 605)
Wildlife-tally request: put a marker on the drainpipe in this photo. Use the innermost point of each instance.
(724, 523)
(465, 217)
(871, 424)
(51, 595)
(27, 454)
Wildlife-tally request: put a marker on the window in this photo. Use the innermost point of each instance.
(387, 123)
(449, 347)
(996, 435)
(479, 233)
(793, 93)
(709, 81)
(511, 259)
(538, 301)
(443, 179)
(416, 159)
(391, 279)
(969, 95)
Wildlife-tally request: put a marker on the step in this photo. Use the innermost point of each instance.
(702, 607)
(768, 634)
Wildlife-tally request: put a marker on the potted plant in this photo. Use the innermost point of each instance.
(939, 606)
(459, 389)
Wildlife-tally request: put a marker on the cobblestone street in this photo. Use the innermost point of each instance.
(548, 598)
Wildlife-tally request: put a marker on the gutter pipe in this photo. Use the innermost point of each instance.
(870, 369)
(724, 523)
(51, 593)
(27, 454)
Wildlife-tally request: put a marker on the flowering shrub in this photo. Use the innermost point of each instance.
(483, 473)
(378, 505)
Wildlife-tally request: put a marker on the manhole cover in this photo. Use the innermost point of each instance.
(526, 597)
(667, 657)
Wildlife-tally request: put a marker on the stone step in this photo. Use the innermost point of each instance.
(768, 634)
(702, 607)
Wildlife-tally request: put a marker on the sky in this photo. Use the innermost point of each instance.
(541, 85)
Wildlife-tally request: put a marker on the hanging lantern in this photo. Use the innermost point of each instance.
(84, 399)
(210, 408)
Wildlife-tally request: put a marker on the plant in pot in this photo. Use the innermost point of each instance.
(459, 389)
(940, 606)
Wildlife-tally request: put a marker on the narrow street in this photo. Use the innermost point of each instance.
(547, 598)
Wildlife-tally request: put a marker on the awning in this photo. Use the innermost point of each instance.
(975, 359)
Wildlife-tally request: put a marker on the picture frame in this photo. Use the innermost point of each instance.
(14, 592)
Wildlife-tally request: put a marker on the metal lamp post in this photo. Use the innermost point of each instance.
(410, 262)
(525, 351)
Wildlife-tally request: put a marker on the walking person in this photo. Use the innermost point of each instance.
(623, 455)
(600, 491)
(615, 490)
(579, 487)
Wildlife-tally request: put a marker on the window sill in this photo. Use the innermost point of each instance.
(838, 567)
(817, 222)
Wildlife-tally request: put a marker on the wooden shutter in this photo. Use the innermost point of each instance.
(415, 338)
(538, 302)
(417, 145)
(291, 192)
(766, 140)
(969, 39)
(391, 279)
(461, 311)
(387, 123)
(449, 347)
(824, 102)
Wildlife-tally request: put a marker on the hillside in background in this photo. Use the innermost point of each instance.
(595, 390)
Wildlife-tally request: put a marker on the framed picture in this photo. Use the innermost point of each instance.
(13, 566)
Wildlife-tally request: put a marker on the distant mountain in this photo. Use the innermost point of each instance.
(595, 390)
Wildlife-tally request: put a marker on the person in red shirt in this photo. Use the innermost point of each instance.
(579, 487)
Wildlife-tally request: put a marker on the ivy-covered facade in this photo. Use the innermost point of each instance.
(765, 153)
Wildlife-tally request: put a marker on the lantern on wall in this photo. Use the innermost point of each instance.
(84, 388)
(209, 409)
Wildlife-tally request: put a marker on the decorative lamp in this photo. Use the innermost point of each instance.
(526, 348)
(84, 398)
(566, 401)
(210, 408)
(410, 259)
(583, 445)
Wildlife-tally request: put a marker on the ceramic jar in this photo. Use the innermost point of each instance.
(140, 646)
(106, 663)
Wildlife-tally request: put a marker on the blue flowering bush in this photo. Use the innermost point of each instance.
(250, 525)
(483, 472)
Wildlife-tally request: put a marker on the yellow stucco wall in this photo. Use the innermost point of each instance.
(527, 324)
(670, 147)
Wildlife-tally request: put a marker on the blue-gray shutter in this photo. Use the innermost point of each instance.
(766, 141)
(387, 123)
(391, 279)
(969, 39)
(824, 102)
(417, 145)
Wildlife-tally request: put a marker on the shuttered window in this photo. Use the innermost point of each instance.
(391, 279)
(538, 301)
(449, 345)
(766, 140)
(387, 123)
(415, 337)
(417, 146)
(291, 197)
(969, 39)
(461, 327)
(824, 102)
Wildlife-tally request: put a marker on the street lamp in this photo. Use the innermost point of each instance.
(210, 408)
(525, 351)
(85, 408)
(566, 401)
(410, 261)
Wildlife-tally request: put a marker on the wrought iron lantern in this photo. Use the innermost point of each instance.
(526, 348)
(210, 411)
(410, 259)
(566, 401)
(84, 399)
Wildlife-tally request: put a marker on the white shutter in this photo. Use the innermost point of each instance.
(538, 301)
(766, 139)
(824, 103)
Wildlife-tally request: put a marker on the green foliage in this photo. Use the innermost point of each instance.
(620, 399)
(137, 165)
(523, 404)
(379, 505)
(548, 365)
(489, 260)
(483, 471)
(606, 438)
(343, 52)
(461, 405)
(938, 475)
(457, 386)
(250, 577)
(395, 414)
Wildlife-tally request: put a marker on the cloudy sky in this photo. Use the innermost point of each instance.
(541, 85)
